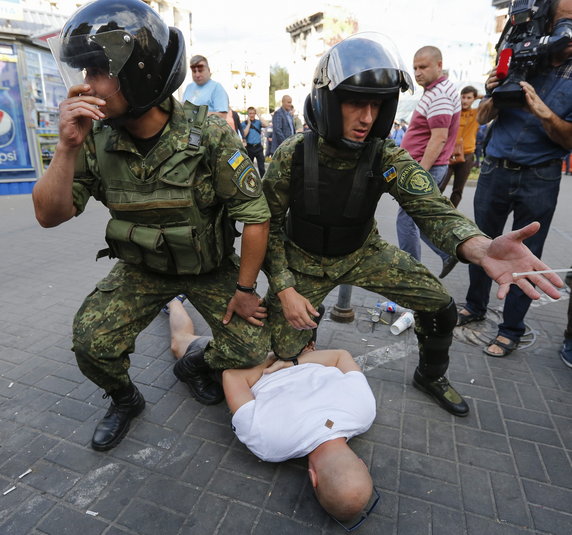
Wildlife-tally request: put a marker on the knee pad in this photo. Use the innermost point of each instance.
(440, 323)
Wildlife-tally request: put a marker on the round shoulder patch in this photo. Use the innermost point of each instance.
(415, 180)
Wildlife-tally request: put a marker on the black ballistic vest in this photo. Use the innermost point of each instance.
(332, 210)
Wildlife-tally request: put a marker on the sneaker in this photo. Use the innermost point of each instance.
(180, 297)
(442, 392)
(566, 352)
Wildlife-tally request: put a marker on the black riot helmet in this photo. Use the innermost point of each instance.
(364, 65)
(130, 39)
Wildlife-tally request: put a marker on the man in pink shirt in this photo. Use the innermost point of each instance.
(430, 138)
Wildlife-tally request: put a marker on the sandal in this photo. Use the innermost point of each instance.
(507, 347)
(180, 297)
(463, 319)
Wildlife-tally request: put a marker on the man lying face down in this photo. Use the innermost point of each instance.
(310, 406)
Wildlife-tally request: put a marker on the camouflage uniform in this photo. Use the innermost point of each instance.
(377, 266)
(128, 299)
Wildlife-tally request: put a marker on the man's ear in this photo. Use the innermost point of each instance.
(313, 477)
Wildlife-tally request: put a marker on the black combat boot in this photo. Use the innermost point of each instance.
(442, 392)
(198, 375)
(126, 404)
(434, 332)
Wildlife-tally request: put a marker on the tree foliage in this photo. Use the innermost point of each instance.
(279, 79)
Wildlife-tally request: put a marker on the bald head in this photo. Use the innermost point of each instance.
(341, 480)
(431, 51)
(427, 65)
(287, 102)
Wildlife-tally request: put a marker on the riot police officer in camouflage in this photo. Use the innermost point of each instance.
(174, 181)
(323, 188)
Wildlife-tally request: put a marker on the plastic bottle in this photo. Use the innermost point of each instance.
(376, 314)
(390, 306)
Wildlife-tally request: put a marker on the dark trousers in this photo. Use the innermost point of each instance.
(461, 173)
(568, 331)
(256, 151)
(531, 195)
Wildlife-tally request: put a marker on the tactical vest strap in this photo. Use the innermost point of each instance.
(361, 177)
(311, 174)
(196, 116)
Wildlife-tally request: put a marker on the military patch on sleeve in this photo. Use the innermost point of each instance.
(390, 174)
(415, 180)
(235, 160)
(247, 181)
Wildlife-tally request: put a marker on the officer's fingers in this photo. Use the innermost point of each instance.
(228, 316)
(76, 90)
(260, 313)
(253, 321)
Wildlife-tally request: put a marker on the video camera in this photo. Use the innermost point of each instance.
(525, 47)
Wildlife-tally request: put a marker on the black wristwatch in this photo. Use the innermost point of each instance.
(246, 289)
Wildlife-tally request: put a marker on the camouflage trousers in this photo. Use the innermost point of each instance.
(382, 268)
(130, 297)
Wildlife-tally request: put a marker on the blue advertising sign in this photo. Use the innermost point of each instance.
(14, 149)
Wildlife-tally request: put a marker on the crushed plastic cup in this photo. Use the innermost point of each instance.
(403, 322)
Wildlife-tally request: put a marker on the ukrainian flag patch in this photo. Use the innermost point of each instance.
(390, 174)
(235, 160)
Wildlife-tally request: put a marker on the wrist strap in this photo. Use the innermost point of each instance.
(295, 361)
(246, 289)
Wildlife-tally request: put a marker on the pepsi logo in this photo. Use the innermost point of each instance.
(7, 128)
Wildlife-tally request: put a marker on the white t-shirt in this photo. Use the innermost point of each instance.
(300, 407)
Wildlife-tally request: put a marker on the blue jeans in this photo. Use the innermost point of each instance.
(408, 232)
(532, 195)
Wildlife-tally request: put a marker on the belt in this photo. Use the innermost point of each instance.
(254, 144)
(514, 166)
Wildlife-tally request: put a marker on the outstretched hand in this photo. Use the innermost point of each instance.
(507, 254)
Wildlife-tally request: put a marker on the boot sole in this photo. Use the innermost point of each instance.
(118, 438)
(441, 403)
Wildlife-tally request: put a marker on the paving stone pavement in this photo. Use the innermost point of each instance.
(505, 469)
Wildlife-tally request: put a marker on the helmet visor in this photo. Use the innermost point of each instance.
(81, 56)
(366, 62)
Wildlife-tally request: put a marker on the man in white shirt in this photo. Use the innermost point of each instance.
(310, 406)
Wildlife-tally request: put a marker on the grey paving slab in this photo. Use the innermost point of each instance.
(505, 469)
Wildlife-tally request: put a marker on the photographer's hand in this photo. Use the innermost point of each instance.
(487, 111)
(557, 129)
(534, 103)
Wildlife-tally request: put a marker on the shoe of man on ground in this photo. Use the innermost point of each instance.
(174, 181)
(323, 188)
(521, 173)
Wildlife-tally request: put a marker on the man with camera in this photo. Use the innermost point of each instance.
(252, 130)
(522, 169)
